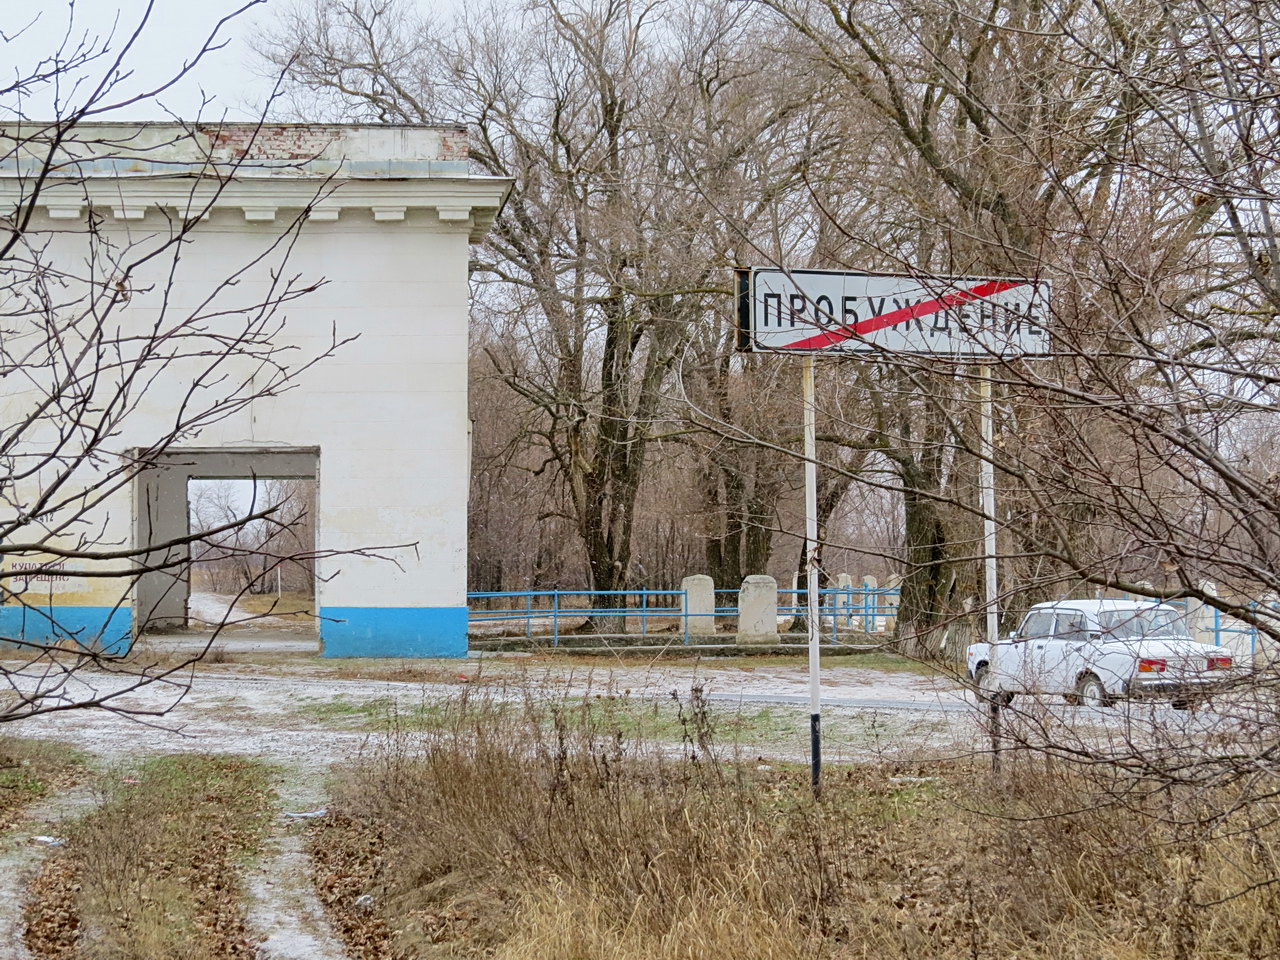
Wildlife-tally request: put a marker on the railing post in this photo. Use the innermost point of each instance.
(871, 588)
(644, 614)
(528, 615)
(555, 618)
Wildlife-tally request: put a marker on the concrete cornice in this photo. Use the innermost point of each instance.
(470, 200)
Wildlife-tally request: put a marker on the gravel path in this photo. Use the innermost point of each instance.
(282, 905)
(269, 702)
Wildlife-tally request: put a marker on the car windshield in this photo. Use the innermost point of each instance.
(1138, 624)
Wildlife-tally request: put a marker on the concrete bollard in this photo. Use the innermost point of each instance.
(844, 583)
(893, 595)
(698, 606)
(758, 610)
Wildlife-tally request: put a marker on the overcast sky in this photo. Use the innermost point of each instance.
(174, 32)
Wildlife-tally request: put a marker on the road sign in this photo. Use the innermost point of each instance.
(812, 312)
(827, 311)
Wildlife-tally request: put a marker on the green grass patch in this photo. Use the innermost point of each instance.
(30, 770)
(378, 713)
(881, 660)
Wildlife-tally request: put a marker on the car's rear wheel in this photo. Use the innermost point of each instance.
(1091, 693)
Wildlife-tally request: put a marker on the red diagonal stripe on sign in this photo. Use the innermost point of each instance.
(872, 324)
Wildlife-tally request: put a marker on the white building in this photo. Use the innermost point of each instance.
(384, 215)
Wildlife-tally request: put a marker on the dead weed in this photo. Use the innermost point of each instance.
(550, 832)
(154, 871)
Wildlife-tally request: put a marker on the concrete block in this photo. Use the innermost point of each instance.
(758, 610)
(698, 606)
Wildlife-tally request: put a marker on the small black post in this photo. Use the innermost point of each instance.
(995, 735)
(815, 752)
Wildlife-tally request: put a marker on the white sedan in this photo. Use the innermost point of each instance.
(1095, 652)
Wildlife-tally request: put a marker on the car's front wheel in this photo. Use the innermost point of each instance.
(1091, 693)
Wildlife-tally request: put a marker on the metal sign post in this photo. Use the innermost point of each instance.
(811, 572)
(841, 312)
(987, 481)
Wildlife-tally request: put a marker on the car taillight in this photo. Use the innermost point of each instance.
(1152, 666)
(1219, 663)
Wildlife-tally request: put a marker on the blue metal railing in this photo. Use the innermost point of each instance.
(869, 608)
(726, 602)
(1230, 628)
(551, 613)
(563, 607)
(853, 609)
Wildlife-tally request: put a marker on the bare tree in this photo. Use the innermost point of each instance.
(1115, 453)
(608, 252)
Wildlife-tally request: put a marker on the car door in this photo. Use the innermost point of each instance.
(1061, 653)
(1014, 661)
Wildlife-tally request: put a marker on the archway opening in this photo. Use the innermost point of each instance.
(254, 568)
(260, 510)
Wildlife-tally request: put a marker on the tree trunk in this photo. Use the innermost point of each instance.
(925, 582)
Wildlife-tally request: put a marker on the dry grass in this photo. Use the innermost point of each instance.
(300, 607)
(546, 832)
(29, 770)
(504, 830)
(153, 872)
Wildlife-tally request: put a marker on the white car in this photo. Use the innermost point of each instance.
(1095, 652)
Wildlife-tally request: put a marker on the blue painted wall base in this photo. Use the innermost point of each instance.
(105, 629)
(393, 631)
